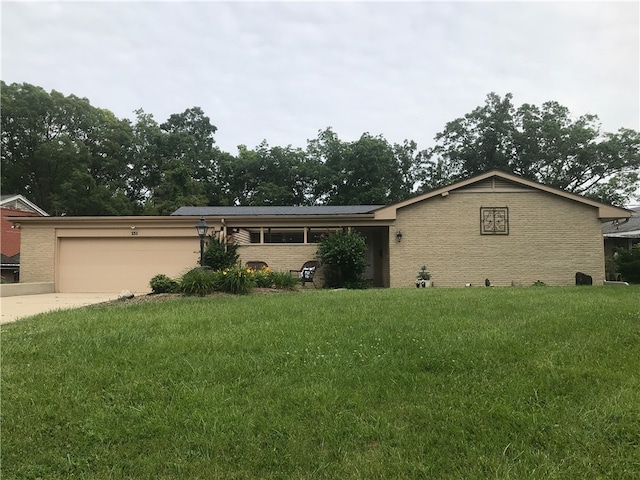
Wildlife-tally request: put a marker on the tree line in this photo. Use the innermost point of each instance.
(72, 158)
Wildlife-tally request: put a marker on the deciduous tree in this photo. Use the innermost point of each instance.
(367, 171)
(546, 144)
(50, 141)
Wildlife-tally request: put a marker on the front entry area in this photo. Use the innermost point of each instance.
(377, 255)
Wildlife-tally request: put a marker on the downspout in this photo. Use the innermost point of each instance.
(223, 231)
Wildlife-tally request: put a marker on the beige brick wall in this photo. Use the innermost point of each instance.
(550, 239)
(37, 254)
(280, 257)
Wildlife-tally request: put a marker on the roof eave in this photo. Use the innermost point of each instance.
(23, 199)
(631, 234)
(186, 219)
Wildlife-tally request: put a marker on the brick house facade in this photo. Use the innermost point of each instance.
(494, 226)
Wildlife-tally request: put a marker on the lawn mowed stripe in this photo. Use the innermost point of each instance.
(437, 383)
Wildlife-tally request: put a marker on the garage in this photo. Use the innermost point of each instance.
(96, 265)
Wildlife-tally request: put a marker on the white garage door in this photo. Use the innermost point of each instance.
(103, 265)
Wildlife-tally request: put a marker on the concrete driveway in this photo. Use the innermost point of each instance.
(14, 308)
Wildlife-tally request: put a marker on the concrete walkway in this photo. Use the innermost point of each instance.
(14, 308)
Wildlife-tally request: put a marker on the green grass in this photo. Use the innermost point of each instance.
(509, 383)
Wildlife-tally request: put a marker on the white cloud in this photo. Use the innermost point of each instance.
(281, 71)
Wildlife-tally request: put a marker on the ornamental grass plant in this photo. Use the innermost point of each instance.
(200, 281)
(475, 383)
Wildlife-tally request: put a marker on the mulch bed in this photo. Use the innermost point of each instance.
(162, 297)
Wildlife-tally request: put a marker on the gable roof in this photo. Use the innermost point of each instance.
(277, 211)
(19, 202)
(501, 181)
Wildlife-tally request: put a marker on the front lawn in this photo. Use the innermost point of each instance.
(532, 382)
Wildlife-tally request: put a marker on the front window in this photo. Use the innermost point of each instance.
(253, 235)
(283, 235)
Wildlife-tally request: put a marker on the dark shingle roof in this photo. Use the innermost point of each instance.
(277, 210)
(631, 226)
(10, 261)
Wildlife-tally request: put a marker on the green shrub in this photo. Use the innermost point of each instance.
(163, 284)
(238, 281)
(219, 255)
(284, 280)
(343, 257)
(628, 262)
(199, 281)
(263, 278)
(610, 267)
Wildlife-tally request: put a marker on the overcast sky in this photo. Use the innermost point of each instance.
(281, 71)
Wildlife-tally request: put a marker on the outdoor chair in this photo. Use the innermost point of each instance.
(257, 265)
(308, 271)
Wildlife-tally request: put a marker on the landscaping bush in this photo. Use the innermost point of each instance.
(199, 281)
(284, 280)
(263, 278)
(163, 284)
(610, 268)
(628, 262)
(266, 278)
(238, 281)
(219, 255)
(343, 257)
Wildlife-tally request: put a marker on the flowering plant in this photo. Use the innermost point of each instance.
(262, 277)
(237, 280)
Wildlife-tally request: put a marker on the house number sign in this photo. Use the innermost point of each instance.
(494, 220)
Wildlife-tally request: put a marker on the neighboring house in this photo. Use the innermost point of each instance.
(494, 226)
(13, 205)
(622, 233)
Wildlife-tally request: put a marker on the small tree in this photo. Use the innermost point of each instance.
(343, 256)
(219, 255)
(628, 262)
